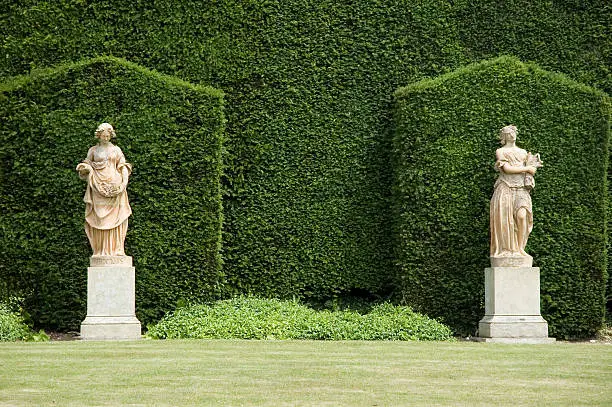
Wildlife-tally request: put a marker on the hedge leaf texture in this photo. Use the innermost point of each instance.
(172, 133)
(308, 85)
(444, 149)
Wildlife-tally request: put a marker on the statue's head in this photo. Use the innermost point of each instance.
(105, 131)
(508, 131)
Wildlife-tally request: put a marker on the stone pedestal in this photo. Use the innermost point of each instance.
(111, 312)
(512, 307)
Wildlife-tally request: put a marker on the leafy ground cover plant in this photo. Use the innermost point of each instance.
(255, 318)
(13, 327)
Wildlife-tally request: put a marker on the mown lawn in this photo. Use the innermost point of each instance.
(303, 373)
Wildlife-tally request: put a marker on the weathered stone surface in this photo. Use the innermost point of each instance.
(110, 328)
(111, 288)
(106, 201)
(110, 261)
(512, 305)
(517, 326)
(110, 304)
(512, 285)
(512, 261)
(512, 291)
(511, 215)
(532, 341)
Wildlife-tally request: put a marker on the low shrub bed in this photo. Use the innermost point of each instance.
(254, 318)
(13, 328)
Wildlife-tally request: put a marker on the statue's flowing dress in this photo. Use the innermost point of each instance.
(509, 196)
(107, 206)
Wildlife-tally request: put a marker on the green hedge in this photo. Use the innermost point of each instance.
(308, 85)
(255, 318)
(171, 132)
(444, 150)
(309, 179)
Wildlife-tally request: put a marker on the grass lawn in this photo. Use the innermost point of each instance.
(303, 373)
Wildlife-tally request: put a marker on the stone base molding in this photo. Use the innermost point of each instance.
(512, 307)
(111, 310)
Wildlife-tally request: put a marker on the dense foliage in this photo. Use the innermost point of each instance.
(254, 318)
(444, 149)
(169, 130)
(308, 85)
(14, 328)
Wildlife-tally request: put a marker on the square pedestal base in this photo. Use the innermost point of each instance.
(512, 307)
(531, 341)
(111, 307)
(110, 328)
(515, 326)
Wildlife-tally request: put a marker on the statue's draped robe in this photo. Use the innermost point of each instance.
(509, 196)
(107, 206)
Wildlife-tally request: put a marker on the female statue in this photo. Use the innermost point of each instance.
(107, 207)
(511, 213)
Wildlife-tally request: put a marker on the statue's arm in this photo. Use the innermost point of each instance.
(125, 168)
(125, 174)
(84, 168)
(508, 168)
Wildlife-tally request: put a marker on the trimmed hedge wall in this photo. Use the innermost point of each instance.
(171, 131)
(444, 149)
(309, 180)
(308, 85)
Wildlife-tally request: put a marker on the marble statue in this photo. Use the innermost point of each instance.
(107, 206)
(512, 284)
(511, 213)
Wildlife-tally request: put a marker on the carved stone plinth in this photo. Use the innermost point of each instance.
(512, 306)
(111, 312)
(110, 261)
(512, 261)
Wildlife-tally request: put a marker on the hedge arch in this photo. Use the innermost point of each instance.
(444, 149)
(170, 130)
